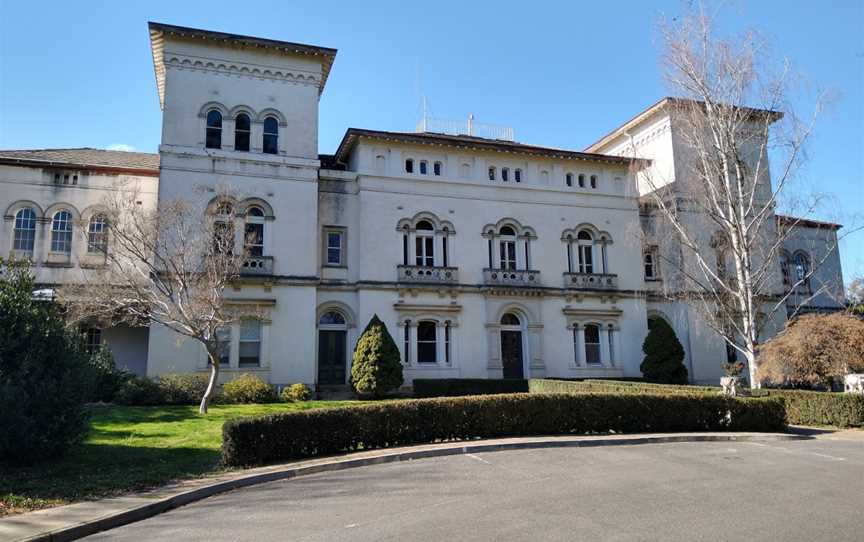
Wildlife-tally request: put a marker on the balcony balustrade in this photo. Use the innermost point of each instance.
(511, 277)
(257, 265)
(434, 275)
(591, 281)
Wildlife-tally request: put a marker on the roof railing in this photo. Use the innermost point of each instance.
(469, 128)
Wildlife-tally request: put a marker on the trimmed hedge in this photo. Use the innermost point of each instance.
(309, 433)
(456, 387)
(542, 385)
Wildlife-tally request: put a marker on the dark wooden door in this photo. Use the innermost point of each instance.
(331, 358)
(511, 354)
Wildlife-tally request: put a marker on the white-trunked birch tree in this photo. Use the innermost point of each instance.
(718, 212)
(169, 266)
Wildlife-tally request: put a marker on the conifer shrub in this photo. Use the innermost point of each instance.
(664, 355)
(45, 375)
(377, 365)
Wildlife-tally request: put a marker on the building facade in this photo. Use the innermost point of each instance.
(485, 258)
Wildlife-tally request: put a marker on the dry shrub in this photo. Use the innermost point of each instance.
(813, 351)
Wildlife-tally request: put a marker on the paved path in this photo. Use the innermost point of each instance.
(785, 490)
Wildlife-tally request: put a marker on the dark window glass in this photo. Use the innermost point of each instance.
(517, 175)
(436, 168)
(581, 181)
(509, 319)
(409, 166)
(271, 136)
(507, 230)
(332, 318)
(25, 230)
(242, 131)
(426, 342)
(423, 167)
(214, 130)
(569, 179)
(334, 248)
(505, 174)
(255, 239)
(593, 181)
(592, 344)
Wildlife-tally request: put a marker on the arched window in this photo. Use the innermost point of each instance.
(517, 175)
(409, 165)
(214, 129)
(427, 341)
(223, 228)
(568, 179)
(581, 180)
(505, 174)
(507, 247)
(492, 173)
(593, 181)
(592, 344)
(331, 318)
(424, 244)
(509, 319)
(436, 168)
(242, 132)
(61, 232)
(254, 232)
(424, 167)
(25, 230)
(97, 235)
(802, 270)
(649, 260)
(271, 136)
(585, 243)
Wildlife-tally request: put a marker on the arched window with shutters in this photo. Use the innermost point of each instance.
(97, 235)
(271, 136)
(61, 232)
(24, 236)
(242, 132)
(214, 129)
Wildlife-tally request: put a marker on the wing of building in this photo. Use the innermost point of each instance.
(486, 258)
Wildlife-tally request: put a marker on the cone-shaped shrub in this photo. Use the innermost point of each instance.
(664, 355)
(377, 367)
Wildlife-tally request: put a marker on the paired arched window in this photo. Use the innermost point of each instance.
(254, 231)
(425, 240)
(97, 235)
(509, 245)
(214, 129)
(242, 132)
(61, 232)
(271, 136)
(25, 230)
(586, 250)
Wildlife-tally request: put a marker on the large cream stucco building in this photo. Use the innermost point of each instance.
(484, 257)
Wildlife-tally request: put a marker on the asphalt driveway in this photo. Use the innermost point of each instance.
(788, 490)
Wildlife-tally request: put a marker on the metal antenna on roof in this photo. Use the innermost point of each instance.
(470, 124)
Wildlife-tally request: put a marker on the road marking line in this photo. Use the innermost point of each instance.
(478, 458)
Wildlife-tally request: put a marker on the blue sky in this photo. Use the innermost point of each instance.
(562, 74)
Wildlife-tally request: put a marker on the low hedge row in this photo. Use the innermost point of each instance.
(547, 385)
(308, 433)
(802, 407)
(455, 387)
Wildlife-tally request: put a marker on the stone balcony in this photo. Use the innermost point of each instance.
(511, 277)
(591, 281)
(257, 265)
(432, 275)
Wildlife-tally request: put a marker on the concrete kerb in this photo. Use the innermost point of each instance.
(28, 527)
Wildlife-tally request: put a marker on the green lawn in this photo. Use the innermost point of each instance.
(131, 448)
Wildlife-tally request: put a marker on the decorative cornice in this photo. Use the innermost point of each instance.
(240, 69)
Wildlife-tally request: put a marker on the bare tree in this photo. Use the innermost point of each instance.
(721, 206)
(170, 266)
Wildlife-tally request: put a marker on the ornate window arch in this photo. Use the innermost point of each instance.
(426, 240)
(582, 244)
(213, 128)
(242, 131)
(328, 314)
(509, 244)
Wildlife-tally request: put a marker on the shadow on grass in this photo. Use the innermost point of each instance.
(99, 470)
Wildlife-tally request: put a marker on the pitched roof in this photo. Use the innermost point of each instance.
(787, 220)
(464, 141)
(158, 31)
(654, 108)
(84, 157)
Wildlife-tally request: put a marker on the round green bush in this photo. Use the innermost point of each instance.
(183, 389)
(377, 365)
(139, 391)
(248, 388)
(664, 355)
(45, 375)
(296, 392)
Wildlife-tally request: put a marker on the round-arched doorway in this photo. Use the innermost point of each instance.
(512, 356)
(332, 338)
